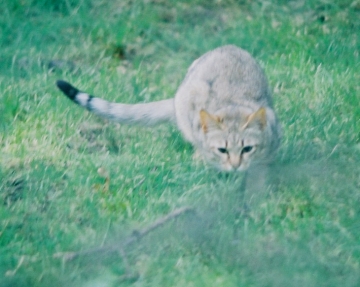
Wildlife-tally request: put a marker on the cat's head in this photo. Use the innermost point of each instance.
(235, 142)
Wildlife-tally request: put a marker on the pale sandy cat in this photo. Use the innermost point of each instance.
(223, 107)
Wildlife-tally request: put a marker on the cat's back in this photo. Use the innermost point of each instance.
(226, 75)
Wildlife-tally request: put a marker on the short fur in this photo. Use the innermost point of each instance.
(223, 107)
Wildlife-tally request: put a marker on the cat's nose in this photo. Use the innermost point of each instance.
(235, 161)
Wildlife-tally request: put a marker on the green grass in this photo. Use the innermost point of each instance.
(53, 199)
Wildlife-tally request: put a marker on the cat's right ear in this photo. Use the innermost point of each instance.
(209, 121)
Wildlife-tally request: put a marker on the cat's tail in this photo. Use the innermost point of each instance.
(144, 114)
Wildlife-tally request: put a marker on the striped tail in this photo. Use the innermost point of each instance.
(147, 114)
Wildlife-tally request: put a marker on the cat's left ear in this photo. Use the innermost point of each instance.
(257, 118)
(209, 122)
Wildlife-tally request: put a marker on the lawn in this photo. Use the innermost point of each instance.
(72, 182)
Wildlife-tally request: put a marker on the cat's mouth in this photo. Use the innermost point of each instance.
(234, 168)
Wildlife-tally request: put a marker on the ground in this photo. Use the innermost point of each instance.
(72, 182)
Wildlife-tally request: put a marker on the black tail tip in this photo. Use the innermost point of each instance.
(67, 89)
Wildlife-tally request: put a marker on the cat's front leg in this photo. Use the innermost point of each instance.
(255, 185)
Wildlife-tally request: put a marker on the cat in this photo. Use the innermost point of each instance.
(223, 108)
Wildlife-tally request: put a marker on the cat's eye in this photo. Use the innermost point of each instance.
(247, 149)
(222, 150)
